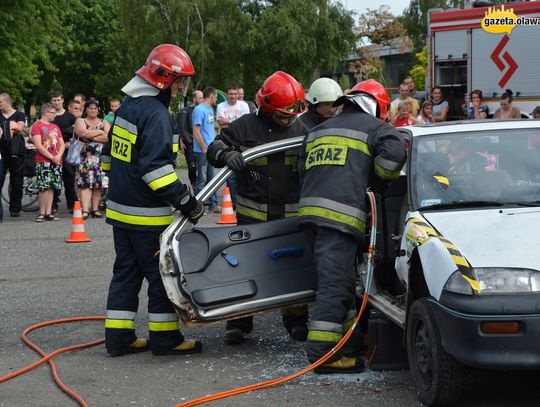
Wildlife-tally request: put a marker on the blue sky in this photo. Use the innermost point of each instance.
(396, 6)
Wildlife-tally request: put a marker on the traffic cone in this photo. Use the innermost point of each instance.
(78, 235)
(227, 212)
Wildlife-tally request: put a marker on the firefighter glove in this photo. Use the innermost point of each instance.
(189, 206)
(197, 213)
(234, 160)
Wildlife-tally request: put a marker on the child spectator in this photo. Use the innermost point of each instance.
(47, 138)
(426, 113)
(404, 117)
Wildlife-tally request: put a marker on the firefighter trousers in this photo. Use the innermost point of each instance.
(333, 312)
(137, 259)
(292, 316)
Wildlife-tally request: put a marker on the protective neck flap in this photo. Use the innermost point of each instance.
(364, 102)
(138, 87)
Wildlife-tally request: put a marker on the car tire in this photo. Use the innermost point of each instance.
(439, 377)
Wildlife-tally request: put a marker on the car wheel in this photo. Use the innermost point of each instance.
(438, 376)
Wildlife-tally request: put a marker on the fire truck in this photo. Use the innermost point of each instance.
(463, 55)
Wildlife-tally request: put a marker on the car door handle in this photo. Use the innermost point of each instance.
(296, 251)
(239, 235)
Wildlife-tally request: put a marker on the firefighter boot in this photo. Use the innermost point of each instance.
(343, 365)
(234, 336)
(138, 345)
(188, 347)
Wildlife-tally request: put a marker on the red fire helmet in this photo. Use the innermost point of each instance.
(375, 90)
(165, 64)
(280, 92)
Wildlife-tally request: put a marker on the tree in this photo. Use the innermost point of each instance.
(244, 41)
(418, 71)
(298, 37)
(27, 42)
(377, 29)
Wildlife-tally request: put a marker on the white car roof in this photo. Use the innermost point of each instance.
(471, 125)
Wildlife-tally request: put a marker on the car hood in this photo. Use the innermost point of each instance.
(493, 237)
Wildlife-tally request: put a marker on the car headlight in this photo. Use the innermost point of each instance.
(458, 284)
(498, 280)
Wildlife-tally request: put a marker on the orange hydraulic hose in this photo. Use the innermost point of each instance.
(48, 357)
(339, 345)
(280, 380)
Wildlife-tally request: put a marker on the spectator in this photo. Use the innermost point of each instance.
(12, 149)
(47, 137)
(477, 110)
(114, 104)
(204, 134)
(536, 113)
(404, 117)
(420, 96)
(90, 177)
(426, 113)
(403, 97)
(185, 130)
(75, 108)
(440, 106)
(507, 111)
(79, 97)
(252, 106)
(232, 108)
(65, 121)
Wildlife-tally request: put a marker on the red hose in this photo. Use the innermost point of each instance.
(48, 357)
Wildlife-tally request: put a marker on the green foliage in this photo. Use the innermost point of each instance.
(344, 82)
(30, 31)
(95, 46)
(418, 71)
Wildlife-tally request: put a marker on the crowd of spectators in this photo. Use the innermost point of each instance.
(413, 107)
(39, 149)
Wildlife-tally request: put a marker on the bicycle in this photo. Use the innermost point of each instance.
(30, 194)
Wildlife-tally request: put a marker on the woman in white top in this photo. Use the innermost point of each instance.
(440, 106)
(426, 113)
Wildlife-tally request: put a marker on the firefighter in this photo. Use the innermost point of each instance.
(143, 186)
(267, 189)
(360, 150)
(321, 95)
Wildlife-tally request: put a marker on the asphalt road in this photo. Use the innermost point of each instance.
(43, 278)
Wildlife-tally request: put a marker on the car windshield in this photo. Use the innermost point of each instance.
(481, 168)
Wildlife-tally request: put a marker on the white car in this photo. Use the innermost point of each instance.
(458, 255)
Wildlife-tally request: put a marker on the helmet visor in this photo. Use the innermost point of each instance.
(184, 84)
(297, 107)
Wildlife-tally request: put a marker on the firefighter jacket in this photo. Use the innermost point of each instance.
(310, 118)
(140, 157)
(268, 188)
(342, 157)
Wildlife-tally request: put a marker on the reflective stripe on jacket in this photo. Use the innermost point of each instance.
(340, 159)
